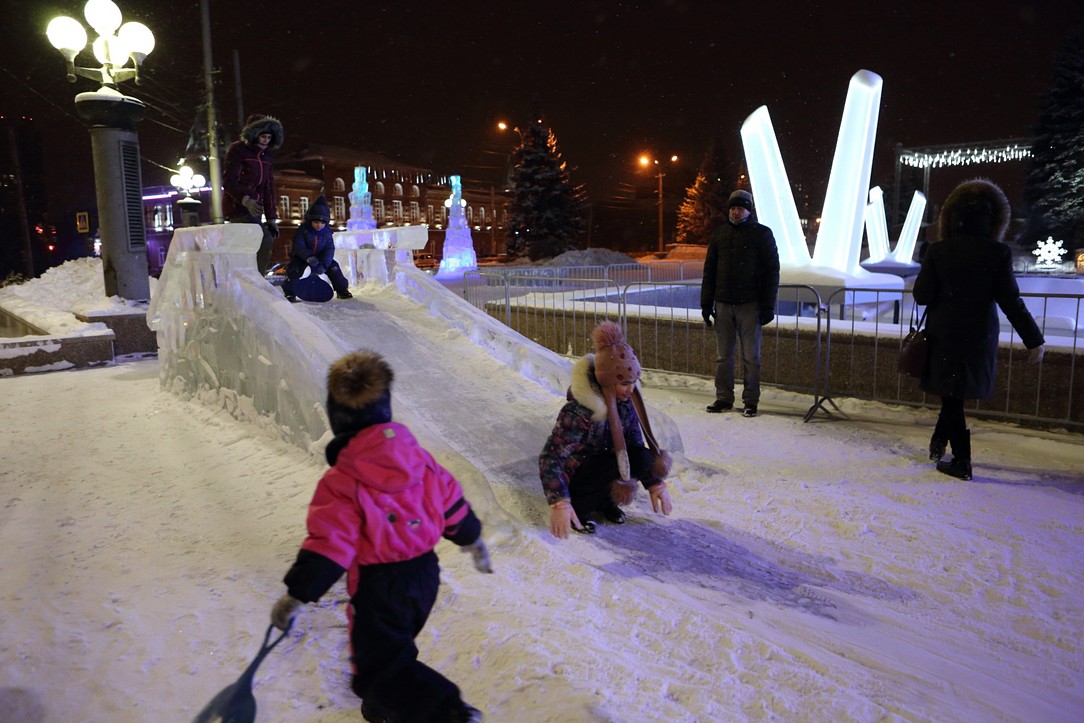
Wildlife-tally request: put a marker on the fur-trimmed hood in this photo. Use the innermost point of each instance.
(585, 389)
(257, 124)
(975, 208)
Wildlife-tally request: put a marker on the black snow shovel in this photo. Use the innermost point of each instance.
(235, 703)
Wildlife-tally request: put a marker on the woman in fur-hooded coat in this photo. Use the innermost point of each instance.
(964, 278)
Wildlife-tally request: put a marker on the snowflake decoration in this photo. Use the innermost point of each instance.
(1049, 252)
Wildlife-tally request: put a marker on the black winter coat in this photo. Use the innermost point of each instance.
(742, 266)
(961, 279)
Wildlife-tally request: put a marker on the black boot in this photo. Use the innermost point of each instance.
(960, 466)
(937, 447)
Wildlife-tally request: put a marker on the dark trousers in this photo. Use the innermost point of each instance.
(589, 488)
(263, 255)
(737, 324)
(390, 607)
(950, 420)
(297, 267)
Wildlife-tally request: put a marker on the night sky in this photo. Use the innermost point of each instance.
(614, 79)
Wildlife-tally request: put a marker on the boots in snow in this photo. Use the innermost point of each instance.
(960, 466)
(937, 447)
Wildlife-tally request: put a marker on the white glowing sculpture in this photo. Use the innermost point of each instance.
(768, 176)
(905, 245)
(458, 254)
(844, 202)
(876, 227)
(837, 252)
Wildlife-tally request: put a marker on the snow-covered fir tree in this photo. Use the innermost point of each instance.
(1055, 185)
(546, 212)
(705, 201)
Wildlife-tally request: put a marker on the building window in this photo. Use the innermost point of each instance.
(397, 211)
(340, 208)
(284, 207)
(303, 203)
(378, 188)
(338, 185)
(378, 210)
(429, 214)
(415, 192)
(397, 189)
(470, 215)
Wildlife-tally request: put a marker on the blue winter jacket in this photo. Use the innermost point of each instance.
(310, 242)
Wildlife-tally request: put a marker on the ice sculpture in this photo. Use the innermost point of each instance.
(838, 248)
(361, 204)
(458, 254)
(898, 261)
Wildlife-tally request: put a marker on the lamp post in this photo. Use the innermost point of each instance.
(647, 161)
(114, 142)
(184, 181)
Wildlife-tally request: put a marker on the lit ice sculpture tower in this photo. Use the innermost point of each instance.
(835, 260)
(458, 254)
(361, 203)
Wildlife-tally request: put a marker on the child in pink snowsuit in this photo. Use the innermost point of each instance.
(376, 515)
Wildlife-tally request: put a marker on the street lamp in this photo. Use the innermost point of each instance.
(184, 181)
(647, 161)
(113, 118)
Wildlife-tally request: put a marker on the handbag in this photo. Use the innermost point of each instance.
(914, 348)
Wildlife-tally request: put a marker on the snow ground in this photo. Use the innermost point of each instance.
(819, 571)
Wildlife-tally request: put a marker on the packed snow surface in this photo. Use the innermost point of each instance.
(817, 571)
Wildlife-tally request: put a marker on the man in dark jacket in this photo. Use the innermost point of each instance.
(741, 280)
(248, 182)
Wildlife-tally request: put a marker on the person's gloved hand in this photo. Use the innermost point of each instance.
(1035, 355)
(480, 553)
(283, 611)
(766, 315)
(707, 312)
(313, 262)
(562, 519)
(273, 228)
(660, 499)
(253, 206)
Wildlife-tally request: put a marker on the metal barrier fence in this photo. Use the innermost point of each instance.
(863, 346)
(846, 345)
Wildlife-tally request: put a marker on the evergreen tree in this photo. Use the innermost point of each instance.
(1055, 185)
(546, 212)
(705, 201)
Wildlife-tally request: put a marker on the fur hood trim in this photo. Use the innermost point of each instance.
(257, 124)
(584, 388)
(975, 208)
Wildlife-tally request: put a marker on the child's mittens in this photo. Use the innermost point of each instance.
(480, 554)
(283, 611)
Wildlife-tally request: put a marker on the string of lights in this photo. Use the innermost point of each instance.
(965, 154)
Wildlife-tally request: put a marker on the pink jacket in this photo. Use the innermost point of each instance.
(386, 500)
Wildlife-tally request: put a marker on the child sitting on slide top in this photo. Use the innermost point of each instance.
(376, 515)
(314, 248)
(596, 448)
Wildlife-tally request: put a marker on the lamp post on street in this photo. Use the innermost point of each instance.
(184, 181)
(114, 142)
(647, 161)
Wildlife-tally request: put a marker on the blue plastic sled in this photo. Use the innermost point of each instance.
(311, 287)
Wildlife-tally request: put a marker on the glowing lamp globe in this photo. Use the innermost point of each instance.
(67, 35)
(103, 16)
(138, 38)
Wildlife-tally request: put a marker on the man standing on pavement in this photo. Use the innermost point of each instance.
(741, 280)
(248, 182)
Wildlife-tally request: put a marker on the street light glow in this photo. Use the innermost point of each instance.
(103, 16)
(67, 35)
